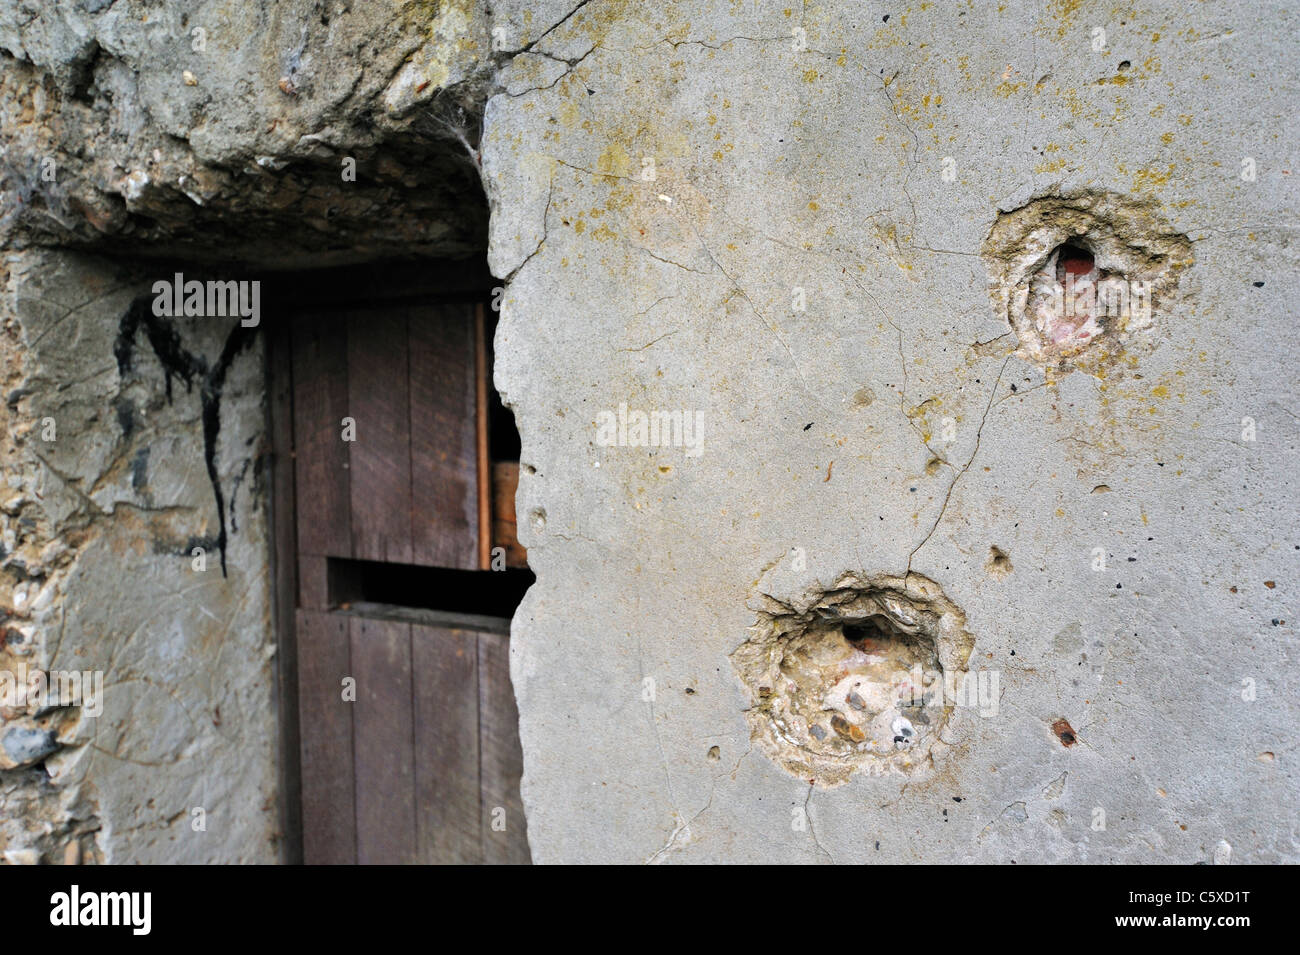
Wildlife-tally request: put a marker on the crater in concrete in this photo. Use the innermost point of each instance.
(853, 679)
(1083, 272)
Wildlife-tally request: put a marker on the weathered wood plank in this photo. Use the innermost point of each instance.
(447, 745)
(328, 782)
(383, 727)
(501, 760)
(320, 402)
(444, 450)
(482, 372)
(505, 482)
(380, 457)
(313, 582)
(279, 377)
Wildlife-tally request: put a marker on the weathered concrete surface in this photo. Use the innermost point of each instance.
(223, 134)
(807, 275)
(890, 427)
(108, 495)
(225, 128)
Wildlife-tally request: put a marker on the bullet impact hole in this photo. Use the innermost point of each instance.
(1064, 732)
(998, 564)
(1086, 271)
(853, 678)
(1072, 260)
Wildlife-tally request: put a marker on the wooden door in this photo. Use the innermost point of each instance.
(406, 717)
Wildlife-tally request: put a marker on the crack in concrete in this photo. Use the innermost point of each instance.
(663, 755)
(546, 214)
(721, 43)
(686, 826)
(812, 829)
(528, 47)
(660, 258)
(572, 63)
(649, 308)
(653, 341)
(771, 326)
(592, 172)
(966, 467)
(916, 146)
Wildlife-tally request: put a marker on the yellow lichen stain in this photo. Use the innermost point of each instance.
(614, 161)
(603, 234)
(810, 76)
(569, 114)
(1166, 138)
(580, 227)
(1063, 13)
(1147, 179)
(813, 206)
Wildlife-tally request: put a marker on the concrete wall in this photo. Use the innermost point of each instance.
(230, 136)
(836, 265)
(826, 236)
(115, 563)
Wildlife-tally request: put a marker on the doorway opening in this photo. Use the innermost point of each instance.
(394, 467)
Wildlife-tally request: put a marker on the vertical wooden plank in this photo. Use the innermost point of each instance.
(279, 379)
(313, 582)
(383, 729)
(501, 760)
(380, 457)
(320, 402)
(481, 374)
(444, 447)
(505, 531)
(325, 718)
(446, 745)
